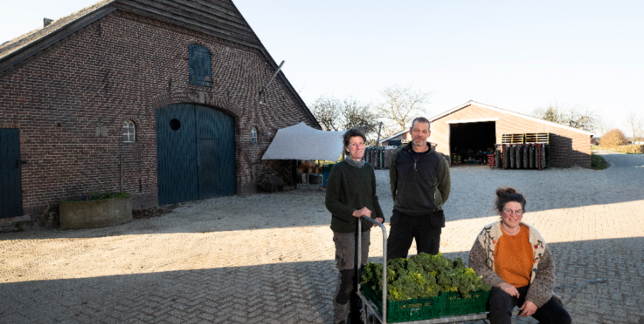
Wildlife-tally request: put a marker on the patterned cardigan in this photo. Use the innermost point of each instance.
(542, 279)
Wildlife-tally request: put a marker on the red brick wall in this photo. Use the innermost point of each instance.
(125, 67)
(567, 147)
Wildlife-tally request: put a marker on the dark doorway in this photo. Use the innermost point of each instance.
(10, 182)
(471, 142)
(195, 153)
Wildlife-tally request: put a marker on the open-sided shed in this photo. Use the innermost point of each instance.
(479, 126)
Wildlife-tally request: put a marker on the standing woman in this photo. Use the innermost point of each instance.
(350, 194)
(513, 258)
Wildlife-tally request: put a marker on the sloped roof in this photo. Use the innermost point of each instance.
(219, 18)
(394, 135)
(535, 119)
(27, 39)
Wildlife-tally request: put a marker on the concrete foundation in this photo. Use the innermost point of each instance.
(95, 213)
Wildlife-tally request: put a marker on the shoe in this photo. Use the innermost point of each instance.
(356, 319)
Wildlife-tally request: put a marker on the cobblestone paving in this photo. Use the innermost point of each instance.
(269, 258)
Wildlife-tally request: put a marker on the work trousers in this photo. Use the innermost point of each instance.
(500, 305)
(426, 229)
(346, 256)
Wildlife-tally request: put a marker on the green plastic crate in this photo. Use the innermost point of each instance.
(455, 305)
(408, 310)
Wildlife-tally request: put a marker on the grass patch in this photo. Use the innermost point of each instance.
(100, 196)
(597, 162)
(626, 149)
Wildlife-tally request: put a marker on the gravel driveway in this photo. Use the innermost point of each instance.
(268, 258)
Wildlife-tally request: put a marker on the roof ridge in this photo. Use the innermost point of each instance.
(15, 45)
(449, 111)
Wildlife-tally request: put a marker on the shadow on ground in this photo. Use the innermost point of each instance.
(298, 292)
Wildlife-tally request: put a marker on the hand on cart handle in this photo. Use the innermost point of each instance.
(364, 211)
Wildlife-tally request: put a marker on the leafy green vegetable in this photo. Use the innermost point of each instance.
(421, 276)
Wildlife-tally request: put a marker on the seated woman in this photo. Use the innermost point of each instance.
(513, 258)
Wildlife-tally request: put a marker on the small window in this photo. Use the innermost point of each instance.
(129, 132)
(253, 135)
(200, 69)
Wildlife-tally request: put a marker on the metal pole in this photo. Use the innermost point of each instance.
(378, 140)
(384, 263)
(271, 80)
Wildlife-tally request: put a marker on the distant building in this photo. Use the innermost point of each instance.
(475, 128)
(402, 135)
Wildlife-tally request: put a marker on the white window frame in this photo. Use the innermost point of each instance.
(253, 135)
(129, 131)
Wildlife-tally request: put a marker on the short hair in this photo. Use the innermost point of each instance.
(420, 120)
(505, 195)
(353, 132)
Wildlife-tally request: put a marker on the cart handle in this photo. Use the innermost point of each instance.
(384, 262)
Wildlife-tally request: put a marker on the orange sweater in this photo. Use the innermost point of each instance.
(514, 257)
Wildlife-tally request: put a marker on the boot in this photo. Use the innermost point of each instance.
(355, 312)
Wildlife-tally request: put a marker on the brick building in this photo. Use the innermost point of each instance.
(402, 135)
(160, 99)
(478, 125)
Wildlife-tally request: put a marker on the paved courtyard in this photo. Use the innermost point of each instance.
(268, 258)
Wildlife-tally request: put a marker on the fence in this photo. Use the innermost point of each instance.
(379, 157)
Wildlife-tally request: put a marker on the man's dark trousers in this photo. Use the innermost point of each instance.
(426, 229)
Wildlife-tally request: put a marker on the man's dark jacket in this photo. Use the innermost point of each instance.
(419, 185)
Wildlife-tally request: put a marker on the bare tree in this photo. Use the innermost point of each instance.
(402, 105)
(335, 114)
(576, 117)
(356, 114)
(327, 111)
(634, 124)
(601, 125)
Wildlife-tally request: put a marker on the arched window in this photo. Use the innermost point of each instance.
(129, 131)
(253, 135)
(200, 69)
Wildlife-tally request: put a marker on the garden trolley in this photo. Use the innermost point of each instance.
(382, 317)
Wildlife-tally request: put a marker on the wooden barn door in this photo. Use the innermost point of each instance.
(10, 182)
(195, 153)
(216, 138)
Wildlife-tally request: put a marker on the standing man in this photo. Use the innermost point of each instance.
(420, 185)
(351, 194)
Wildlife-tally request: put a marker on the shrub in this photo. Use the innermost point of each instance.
(597, 162)
(99, 196)
(613, 138)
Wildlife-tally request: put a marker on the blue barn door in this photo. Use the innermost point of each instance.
(195, 153)
(10, 182)
(216, 137)
(177, 154)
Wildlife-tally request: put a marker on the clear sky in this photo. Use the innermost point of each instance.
(517, 55)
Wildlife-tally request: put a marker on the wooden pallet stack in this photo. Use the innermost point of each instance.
(537, 138)
(525, 151)
(512, 138)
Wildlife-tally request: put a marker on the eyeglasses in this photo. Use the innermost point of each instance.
(517, 212)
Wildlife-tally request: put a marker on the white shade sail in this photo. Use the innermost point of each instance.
(301, 142)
